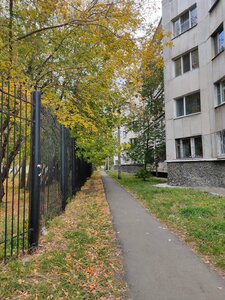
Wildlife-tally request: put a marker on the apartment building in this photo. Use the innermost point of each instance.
(195, 91)
(126, 137)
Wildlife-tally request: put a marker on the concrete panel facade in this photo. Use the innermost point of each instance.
(210, 120)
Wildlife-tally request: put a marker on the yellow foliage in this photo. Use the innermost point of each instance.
(78, 53)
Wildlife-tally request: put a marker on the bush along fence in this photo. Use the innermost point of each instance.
(39, 169)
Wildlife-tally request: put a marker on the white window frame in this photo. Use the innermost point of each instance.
(182, 62)
(220, 144)
(132, 141)
(185, 107)
(222, 94)
(216, 40)
(179, 21)
(192, 144)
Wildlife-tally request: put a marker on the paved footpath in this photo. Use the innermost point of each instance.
(157, 265)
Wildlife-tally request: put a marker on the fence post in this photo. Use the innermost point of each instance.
(73, 158)
(63, 166)
(35, 165)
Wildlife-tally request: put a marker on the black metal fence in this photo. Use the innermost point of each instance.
(15, 132)
(39, 170)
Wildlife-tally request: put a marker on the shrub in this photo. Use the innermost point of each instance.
(143, 174)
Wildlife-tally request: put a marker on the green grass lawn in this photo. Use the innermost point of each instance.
(196, 216)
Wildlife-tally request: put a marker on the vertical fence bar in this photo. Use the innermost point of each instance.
(13, 172)
(34, 213)
(6, 142)
(25, 165)
(2, 215)
(73, 159)
(63, 166)
(19, 174)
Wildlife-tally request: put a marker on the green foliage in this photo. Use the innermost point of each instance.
(143, 174)
(75, 52)
(196, 211)
(147, 118)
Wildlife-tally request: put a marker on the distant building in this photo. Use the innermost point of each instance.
(126, 137)
(195, 91)
(129, 165)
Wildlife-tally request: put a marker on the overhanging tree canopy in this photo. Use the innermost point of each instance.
(74, 51)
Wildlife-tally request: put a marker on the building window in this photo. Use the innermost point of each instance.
(133, 141)
(178, 67)
(221, 142)
(218, 40)
(194, 59)
(189, 147)
(187, 62)
(185, 21)
(188, 105)
(220, 92)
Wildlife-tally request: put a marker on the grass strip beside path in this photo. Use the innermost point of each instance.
(79, 258)
(197, 217)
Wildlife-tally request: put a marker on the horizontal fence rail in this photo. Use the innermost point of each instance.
(39, 169)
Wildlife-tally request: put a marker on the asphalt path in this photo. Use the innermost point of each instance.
(157, 265)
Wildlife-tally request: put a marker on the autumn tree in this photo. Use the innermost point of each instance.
(148, 123)
(73, 51)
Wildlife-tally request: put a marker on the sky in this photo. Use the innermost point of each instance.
(151, 13)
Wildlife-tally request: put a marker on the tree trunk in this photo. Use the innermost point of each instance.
(146, 155)
(2, 191)
(108, 164)
(156, 171)
(119, 156)
(147, 149)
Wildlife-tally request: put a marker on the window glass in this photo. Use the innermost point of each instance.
(221, 137)
(133, 141)
(221, 40)
(193, 14)
(184, 22)
(194, 58)
(223, 91)
(176, 27)
(223, 142)
(178, 148)
(178, 67)
(180, 107)
(193, 104)
(218, 40)
(215, 41)
(186, 63)
(186, 148)
(190, 147)
(198, 146)
(218, 93)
